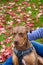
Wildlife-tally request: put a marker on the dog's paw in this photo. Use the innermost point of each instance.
(40, 61)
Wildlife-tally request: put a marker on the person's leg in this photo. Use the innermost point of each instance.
(8, 61)
(38, 47)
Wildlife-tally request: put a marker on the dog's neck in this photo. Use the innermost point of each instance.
(25, 46)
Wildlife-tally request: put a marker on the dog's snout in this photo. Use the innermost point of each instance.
(16, 42)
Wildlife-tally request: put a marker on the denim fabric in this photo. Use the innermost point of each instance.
(8, 61)
(38, 47)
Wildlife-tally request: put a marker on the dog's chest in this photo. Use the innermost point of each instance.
(21, 54)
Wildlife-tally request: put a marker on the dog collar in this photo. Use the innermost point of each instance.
(25, 52)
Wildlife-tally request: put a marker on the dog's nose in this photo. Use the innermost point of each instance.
(16, 42)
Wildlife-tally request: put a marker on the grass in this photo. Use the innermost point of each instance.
(27, 9)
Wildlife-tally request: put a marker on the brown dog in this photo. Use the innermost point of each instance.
(24, 53)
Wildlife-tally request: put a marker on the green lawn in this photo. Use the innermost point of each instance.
(33, 15)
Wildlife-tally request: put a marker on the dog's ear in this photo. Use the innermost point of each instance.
(28, 29)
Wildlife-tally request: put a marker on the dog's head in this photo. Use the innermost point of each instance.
(20, 36)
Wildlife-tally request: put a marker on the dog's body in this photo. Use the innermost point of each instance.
(22, 43)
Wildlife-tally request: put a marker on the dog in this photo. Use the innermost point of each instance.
(23, 53)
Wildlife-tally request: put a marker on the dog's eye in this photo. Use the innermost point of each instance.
(21, 34)
(14, 34)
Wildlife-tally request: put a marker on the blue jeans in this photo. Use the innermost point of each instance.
(8, 61)
(37, 46)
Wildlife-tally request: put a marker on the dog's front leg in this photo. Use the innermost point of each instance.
(15, 59)
(40, 60)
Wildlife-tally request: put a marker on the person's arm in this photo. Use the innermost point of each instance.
(35, 34)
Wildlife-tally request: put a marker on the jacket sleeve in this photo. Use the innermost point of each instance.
(37, 34)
